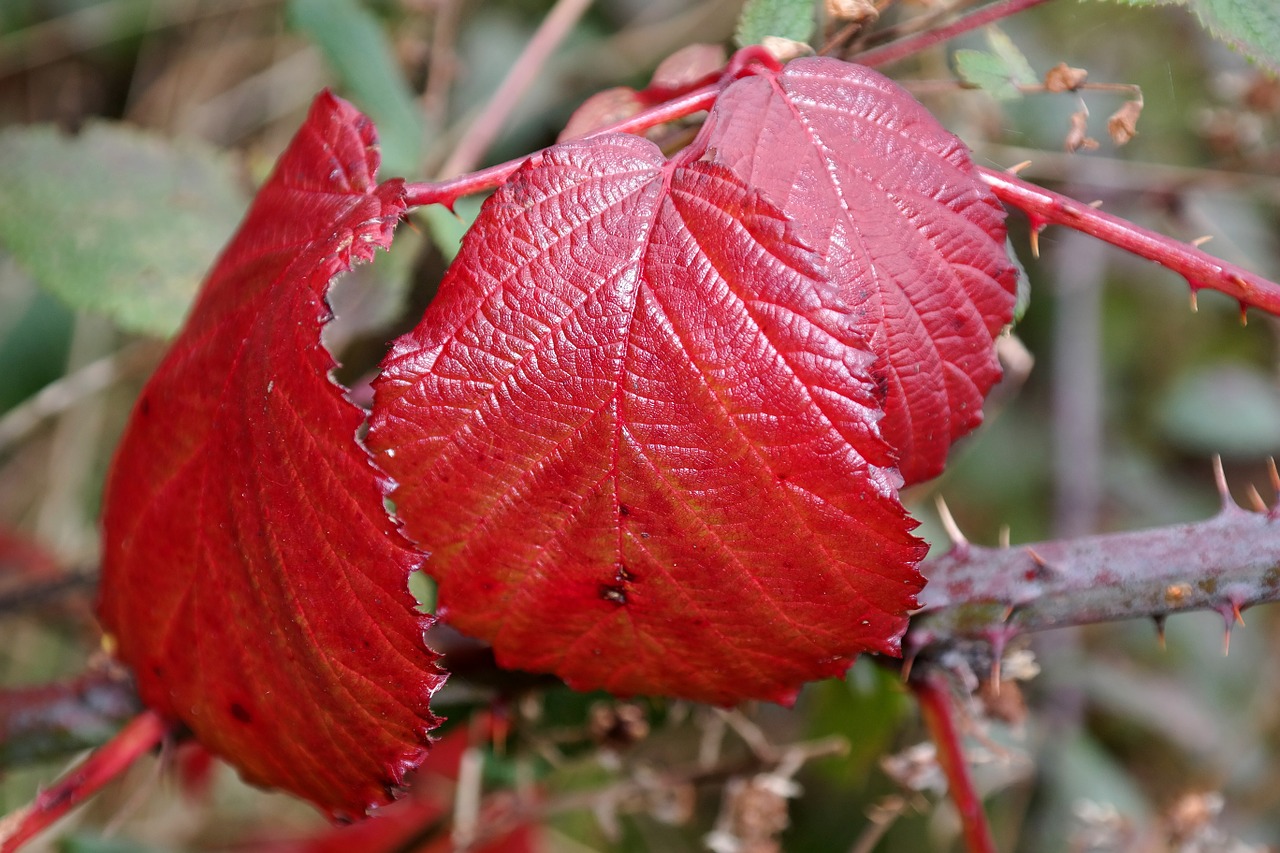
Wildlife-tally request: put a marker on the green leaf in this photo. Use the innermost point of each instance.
(1250, 26)
(354, 43)
(790, 19)
(986, 71)
(116, 221)
(999, 72)
(1016, 65)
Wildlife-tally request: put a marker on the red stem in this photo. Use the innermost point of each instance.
(76, 785)
(1200, 269)
(934, 696)
(447, 192)
(902, 48)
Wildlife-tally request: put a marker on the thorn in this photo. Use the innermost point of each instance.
(1275, 474)
(1200, 241)
(907, 663)
(1259, 505)
(1035, 242)
(1096, 203)
(1159, 619)
(959, 544)
(1042, 567)
(1230, 618)
(1220, 480)
(1004, 536)
(997, 658)
(1195, 304)
(1018, 167)
(1244, 313)
(1008, 611)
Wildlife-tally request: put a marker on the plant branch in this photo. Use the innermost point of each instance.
(484, 130)
(143, 732)
(1226, 564)
(901, 49)
(1044, 207)
(50, 721)
(938, 710)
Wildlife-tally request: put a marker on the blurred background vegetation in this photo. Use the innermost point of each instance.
(132, 133)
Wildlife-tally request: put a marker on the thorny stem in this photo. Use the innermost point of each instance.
(142, 733)
(903, 48)
(1226, 564)
(936, 707)
(1200, 269)
(482, 132)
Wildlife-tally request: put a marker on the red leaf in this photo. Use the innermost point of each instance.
(251, 576)
(638, 436)
(901, 222)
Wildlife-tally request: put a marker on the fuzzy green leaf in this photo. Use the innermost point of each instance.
(116, 221)
(986, 71)
(999, 72)
(1252, 27)
(790, 19)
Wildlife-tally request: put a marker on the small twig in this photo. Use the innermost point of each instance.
(936, 707)
(52, 721)
(903, 48)
(62, 394)
(143, 733)
(879, 822)
(20, 598)
(484, 130)
(631, 789)
(444, 61)
(912, 25)
(1044, 207)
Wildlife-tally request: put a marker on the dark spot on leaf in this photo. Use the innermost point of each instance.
(624, 576)
(623, 510)
(238, 711)
(616, 594)
(144, 406)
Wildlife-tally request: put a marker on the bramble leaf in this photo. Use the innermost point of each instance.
(901, 225)
(788, 19)
(1249, 26)
(637, 433)
(251, 577)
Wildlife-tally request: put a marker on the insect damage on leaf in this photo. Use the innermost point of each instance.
(250, 574)
(637, 433)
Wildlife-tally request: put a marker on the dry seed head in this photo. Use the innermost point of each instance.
(852, 11)
(1063, 78)
(1123, 124)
